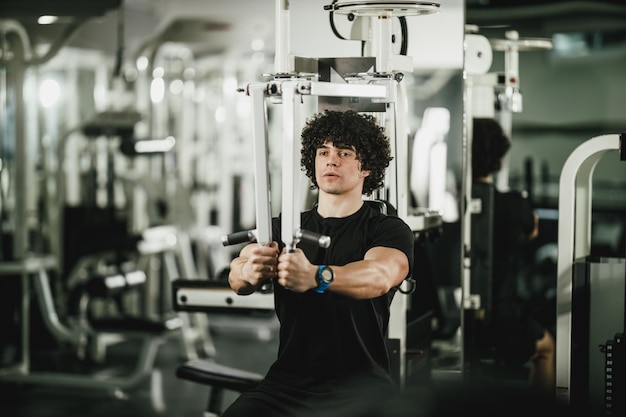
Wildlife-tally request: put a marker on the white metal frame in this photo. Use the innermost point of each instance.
(574, 242)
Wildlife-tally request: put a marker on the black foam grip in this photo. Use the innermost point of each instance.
(238, 237)
(316, 238)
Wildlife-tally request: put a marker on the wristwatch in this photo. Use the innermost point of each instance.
(325, 277)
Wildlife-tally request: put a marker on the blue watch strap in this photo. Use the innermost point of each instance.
(321, 283)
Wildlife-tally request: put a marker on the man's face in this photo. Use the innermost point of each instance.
(337, 169)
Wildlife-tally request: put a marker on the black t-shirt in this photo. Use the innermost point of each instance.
(513, 221)
(329, 341)
(515, 330)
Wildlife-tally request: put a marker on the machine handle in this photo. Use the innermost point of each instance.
(322, 241)
(239, 237)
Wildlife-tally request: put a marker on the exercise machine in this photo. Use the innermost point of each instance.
(374, 91)
(588, 290)
(494, 95)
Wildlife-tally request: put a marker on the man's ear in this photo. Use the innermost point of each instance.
(364, 173)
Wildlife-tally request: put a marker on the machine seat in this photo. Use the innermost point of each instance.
(219, 378)
(216, 375)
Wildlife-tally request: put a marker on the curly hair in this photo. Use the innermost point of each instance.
(489, 145)
(348, 129)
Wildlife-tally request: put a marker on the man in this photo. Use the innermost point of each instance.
(516, 334)
(333, 303)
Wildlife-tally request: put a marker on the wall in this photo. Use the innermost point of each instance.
(566, 102)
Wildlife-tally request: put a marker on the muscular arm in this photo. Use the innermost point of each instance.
(254, 265)
(380, 270)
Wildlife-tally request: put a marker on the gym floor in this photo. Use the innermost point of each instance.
(237, 343)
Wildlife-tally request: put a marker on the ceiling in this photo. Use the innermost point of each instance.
(209, 26)
(544, 18)
(212, 26)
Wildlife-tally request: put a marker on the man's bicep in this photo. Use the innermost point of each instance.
(392, 260)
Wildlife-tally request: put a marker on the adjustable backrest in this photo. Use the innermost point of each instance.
(482, 248)
(476, 321)
(383, 206)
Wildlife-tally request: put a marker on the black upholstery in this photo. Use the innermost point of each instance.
(211, 373)
(383, 206)
(219, 378)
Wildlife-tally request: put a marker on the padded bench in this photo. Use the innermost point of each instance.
(219, 378)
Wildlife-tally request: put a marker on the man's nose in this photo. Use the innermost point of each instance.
(333, 159)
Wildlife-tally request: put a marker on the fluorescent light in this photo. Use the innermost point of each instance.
(47, 20)
(155, 145)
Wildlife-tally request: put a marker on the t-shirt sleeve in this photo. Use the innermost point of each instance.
(393, 232)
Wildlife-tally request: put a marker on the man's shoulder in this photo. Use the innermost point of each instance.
(387, 221)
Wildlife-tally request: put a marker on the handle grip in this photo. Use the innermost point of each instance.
(322, 241)
(238, 237)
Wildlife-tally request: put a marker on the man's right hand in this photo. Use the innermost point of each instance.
(254, 265)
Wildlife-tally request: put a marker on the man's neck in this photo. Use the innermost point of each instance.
(330, 205)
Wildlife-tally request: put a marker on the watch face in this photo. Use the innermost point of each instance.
(327, 274)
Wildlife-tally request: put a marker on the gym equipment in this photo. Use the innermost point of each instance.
(491, 95)
(615, 375)
(219, 378)
(83, 332)
(289, 89)
(87, 335)
(574, 244)
(28, 258)
(217, 296)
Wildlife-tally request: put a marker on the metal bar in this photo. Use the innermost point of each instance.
(194, 298)
(290, 190)
(59, 379)
(48, 310)
(281, 60)
(261, 164)
(343, 90)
